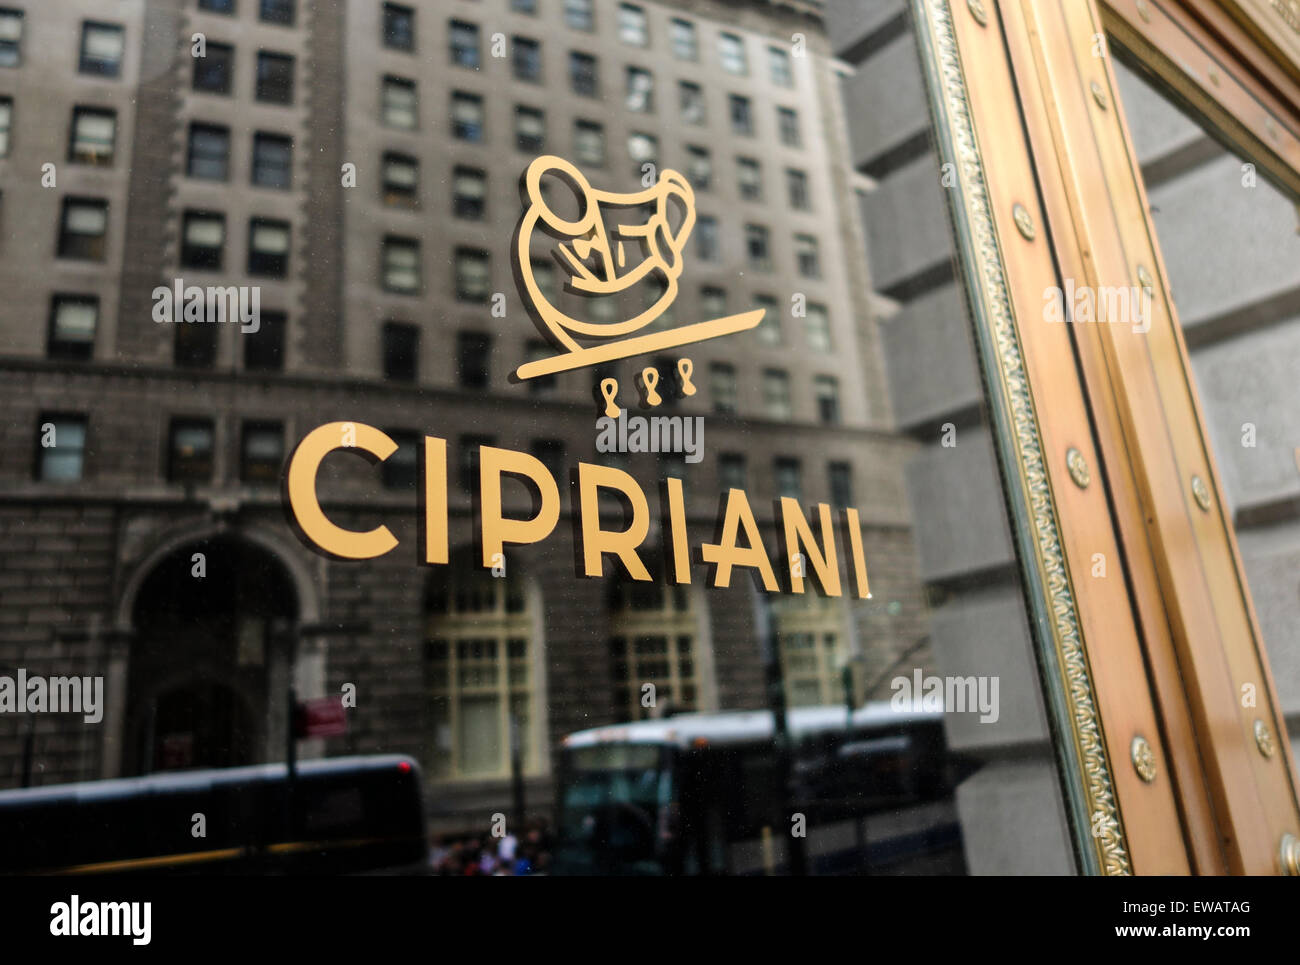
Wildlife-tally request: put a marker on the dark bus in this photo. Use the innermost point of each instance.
(337, 816)
(702, 794)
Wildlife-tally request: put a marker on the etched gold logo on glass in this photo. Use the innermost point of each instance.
(606, 258)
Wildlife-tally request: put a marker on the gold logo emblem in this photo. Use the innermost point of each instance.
(604, 258)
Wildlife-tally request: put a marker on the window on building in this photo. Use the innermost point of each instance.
(399, 27)
(217, 6)
(60, 447)
(691, 102)
(264, 349)
(268, 247)
(399, 106)
(788, 481)
(473, 277)
(11, 37)
(699, 167)
(706, 238)
(817, 323)
(73, 321)
(469, 193)
(209, 152)
(530, 129)
(189, 450)
(102, 45)
(536, 350)
(468, 472)
(589, 142)
(272, 160)
(94, 132)
(473, 354)
(640, 90)
(463, 38)
(467, 118)
(758, 247)
(579, 14)
(633, 28)
(401, 180)
(731, 54)
(722, 386)
(401, 470)
(742, 117)
(479, 670)
(731, 471)
(551, 454)
(526, 55)
(788, 124)
(203, 240)
(807, 256)
(779, 62)
(826, 390)
(810, 629)
(214, 70)
(401, 348)
(6, 123)
(278, 11)
(840, 475)
(401, 265)
(544, 275)
(195, 346)
(584, 74)
(83, 229)
(523, 6)
(274, 77)
(796, 183)
(769, 329)
(749, 179)
(652, 640)
(713, 302)
(681, 34)
(261, 452)
(776, 394)
(642, 148)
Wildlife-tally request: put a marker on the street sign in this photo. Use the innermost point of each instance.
(321, 717)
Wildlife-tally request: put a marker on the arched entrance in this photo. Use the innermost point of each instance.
(209, 619)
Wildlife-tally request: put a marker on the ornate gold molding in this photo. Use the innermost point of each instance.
(1070, 698)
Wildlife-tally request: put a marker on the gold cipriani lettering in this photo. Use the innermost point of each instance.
(726, 554)
(304, 464)
(498, 529)
(798, 534)
(596, 542)
(740, 542)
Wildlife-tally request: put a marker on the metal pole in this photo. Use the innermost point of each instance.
(517, 773)
(770, 646)
(859, 820)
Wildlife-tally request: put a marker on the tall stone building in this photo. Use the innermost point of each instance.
(356, 165)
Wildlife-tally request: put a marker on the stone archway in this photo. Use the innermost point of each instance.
(209, 617)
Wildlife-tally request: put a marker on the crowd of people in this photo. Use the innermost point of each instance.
(505, 854)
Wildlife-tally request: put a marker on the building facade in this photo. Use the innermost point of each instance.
(354, 166)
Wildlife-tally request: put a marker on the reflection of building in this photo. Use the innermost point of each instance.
(357, 161)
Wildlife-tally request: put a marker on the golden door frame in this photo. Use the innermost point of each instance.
(1099, 434)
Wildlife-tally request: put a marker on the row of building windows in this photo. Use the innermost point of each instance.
(399, 105)
(398, 32)
(100, 54)
(62, 442)
(401, 270)
(74, 321)
(281, 12)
